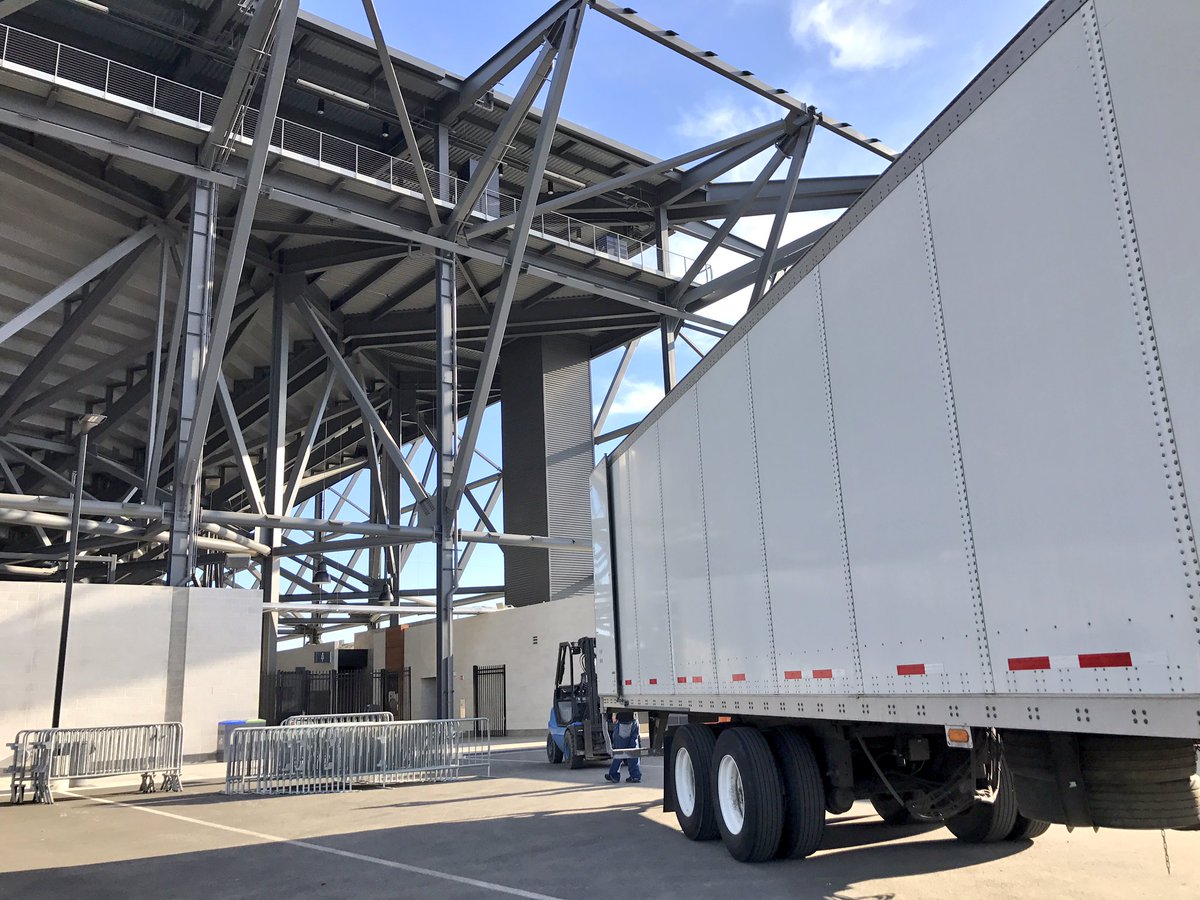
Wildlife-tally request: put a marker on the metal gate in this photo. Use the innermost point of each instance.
(491, 702)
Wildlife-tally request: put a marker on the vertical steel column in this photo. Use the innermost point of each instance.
(286, 287)
(68, 588)
(446, 307)
(667, 327)
(198, 280)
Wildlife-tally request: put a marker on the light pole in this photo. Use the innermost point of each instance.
(86, 424)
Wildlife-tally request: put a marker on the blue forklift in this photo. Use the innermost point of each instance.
(577, 732)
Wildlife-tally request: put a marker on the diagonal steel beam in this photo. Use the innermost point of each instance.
(88, 273)
(304, 451)
(241, 456)
(767, 265)
(489, 507)
(410, 137)
(671, 40)
(242, 80)
(733, 218)
(80, 318)
(700, 176)
(615, 386)
(369, 413)
(235, 256)
(774, 131)
(502, 62)
(502, 138)
(516, 254)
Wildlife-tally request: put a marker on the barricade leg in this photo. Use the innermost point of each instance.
(171, 782)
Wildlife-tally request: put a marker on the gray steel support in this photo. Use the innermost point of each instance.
(197, 303)
(615, 386)
(772, 131)
(511, 55)
(735, 214)
(351, 383)
(767, 264)
(247, 68)
(502, 138)
(81, 278)
(235, 256)
(305, 448)
(277, 492)
(446, 452)
(410, 137)
(516, 251)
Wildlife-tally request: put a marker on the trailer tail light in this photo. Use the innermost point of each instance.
(959, 736)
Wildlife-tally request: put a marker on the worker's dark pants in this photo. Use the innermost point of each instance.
(634, 764)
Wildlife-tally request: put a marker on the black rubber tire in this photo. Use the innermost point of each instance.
(1170, 805)
(698, 742)
(572, 755)
(804, 793)
(986, 823)
(1027, 829)
(553, 752)
(757, 837)
(890, 811)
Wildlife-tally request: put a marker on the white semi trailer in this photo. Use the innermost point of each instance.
(917, 529)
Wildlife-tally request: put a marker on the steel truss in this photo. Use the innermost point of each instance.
(347, 394)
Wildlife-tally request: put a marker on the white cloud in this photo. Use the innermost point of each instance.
(862, 34)
(637, 398)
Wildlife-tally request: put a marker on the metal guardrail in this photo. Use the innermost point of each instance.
(339, 718)
(32, 54)
(312, 759)
(43, 755)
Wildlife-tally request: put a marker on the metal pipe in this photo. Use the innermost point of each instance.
(525, 540)
(41, 503)
(72, 554)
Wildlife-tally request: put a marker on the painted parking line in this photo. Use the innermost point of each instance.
(320, 848)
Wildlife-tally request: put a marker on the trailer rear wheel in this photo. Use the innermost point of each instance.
(553, 751)
(891, 811)
(804, 793)
(1027, 829)
(748, 792)
(572, 754)
(985, 823)
(692, 761)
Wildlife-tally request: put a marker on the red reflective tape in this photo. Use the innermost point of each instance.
(1105, 660)
(822, 673)
(654, 681)
(682, 679)
(740, 676)
(913, 669)
(1028, 663)
(628, 682)
(793, 674)
(697, 679)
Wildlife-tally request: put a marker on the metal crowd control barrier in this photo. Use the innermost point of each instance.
(311, 759)
(42, 755)
(340, 718)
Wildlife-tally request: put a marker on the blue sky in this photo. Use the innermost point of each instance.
(886, 66)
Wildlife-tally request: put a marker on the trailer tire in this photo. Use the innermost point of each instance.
(1027, 829)
(986, 823)
(747, 793)
(890, 811)
(553, 752)
(804, 793)
(1170, 805)
(571, 754)
(692, 761)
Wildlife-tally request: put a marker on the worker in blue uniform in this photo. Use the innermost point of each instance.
(625, 736)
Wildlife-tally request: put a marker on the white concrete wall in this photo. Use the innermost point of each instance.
(501, 638)
(117, 657)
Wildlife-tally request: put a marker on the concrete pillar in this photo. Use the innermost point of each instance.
(546, 407)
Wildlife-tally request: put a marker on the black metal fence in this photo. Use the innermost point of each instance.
(491, 699)
(302, 692)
